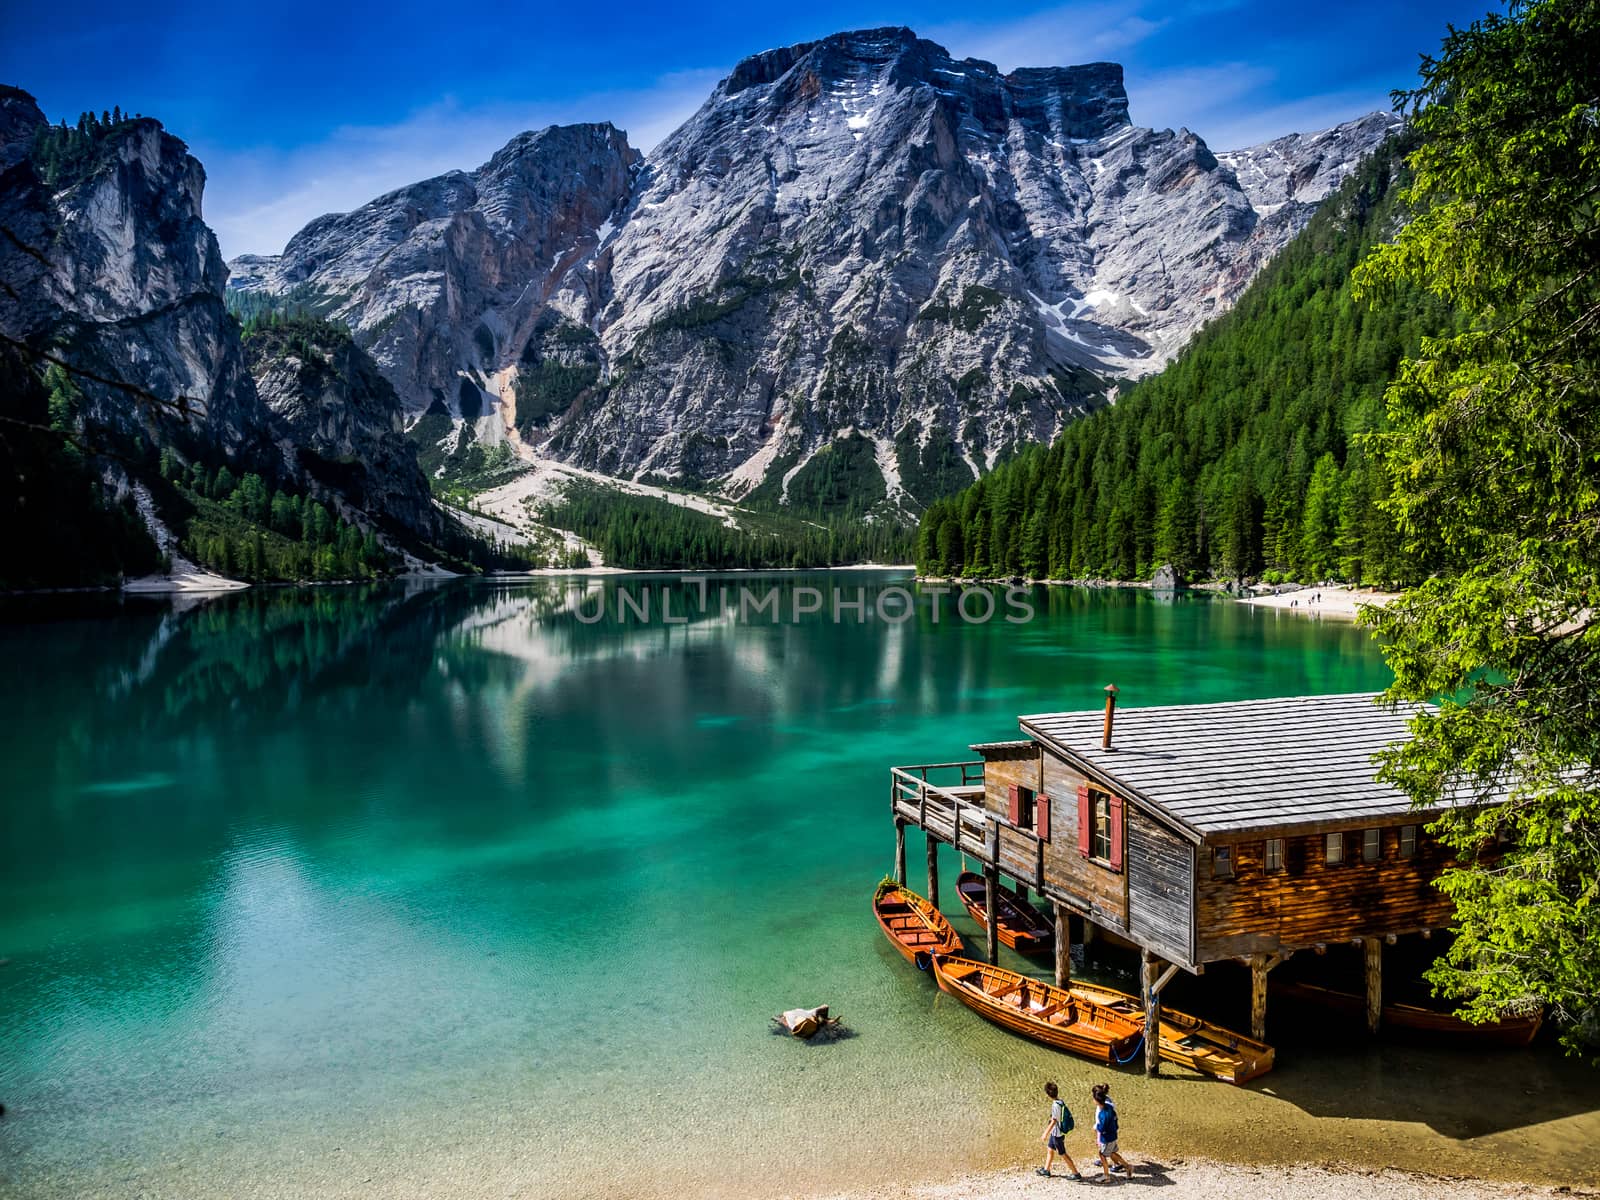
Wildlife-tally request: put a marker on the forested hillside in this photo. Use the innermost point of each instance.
(646, 532)
(1244, 456)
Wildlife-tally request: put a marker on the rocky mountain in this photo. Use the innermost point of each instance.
(339, 423)
(857, 245)
(110, 269)
(110, 261)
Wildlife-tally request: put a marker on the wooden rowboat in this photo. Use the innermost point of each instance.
(1021, 926)
(1510, 1030)
(1039, 1011)
(1191, 1042)
(911, 923)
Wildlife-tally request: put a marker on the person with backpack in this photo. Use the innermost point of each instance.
(1055, 1134)
(1105, 1132)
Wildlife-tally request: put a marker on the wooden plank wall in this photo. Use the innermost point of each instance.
(1006, 765)
(1160, 888)
(1095, 890)
(1310, 901)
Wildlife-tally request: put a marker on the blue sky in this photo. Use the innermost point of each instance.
(298, 109)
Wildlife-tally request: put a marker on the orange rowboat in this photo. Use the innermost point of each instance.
(1039, 1011)
(1020, 925)
(1191, 1042)
(911, 923)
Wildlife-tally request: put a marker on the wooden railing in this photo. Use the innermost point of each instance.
(953, 812)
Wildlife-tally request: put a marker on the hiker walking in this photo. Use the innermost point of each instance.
(1055, 1134)
(1105, 1132)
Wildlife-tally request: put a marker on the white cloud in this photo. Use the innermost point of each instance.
(1194, 97)
(257, 199)
(1064, 36)
(1250, 126)
(1230, 105)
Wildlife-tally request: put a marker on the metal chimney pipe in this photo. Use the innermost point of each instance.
(1111, 711)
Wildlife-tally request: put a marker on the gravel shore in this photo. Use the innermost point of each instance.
(1323, 601)
(1198, 1179)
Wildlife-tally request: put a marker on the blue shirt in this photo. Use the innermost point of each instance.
(1105, 1122)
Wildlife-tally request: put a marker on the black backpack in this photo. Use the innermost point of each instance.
(1065, 1125)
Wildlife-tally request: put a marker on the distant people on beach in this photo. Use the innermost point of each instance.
(1055, 1134)
(1105, 1132)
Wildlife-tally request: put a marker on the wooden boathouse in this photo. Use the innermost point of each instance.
(1200, 833)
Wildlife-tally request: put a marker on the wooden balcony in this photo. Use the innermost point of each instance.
(945, 800)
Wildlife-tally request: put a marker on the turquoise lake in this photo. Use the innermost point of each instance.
(455, 890)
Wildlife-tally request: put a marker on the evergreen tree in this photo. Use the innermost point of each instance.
(1493, 459)
(1211, 464)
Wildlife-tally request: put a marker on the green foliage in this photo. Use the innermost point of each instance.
(66, 155)
(429, 435)
(245, 529)
(1493, 454)
(296, 331)
(1210, 464)
(550, 388)
(456, 464)
(64, 526)
(841, 479)
(649, 532)
(728, 298)
(254, 309)
(933, 470)
(976, 306)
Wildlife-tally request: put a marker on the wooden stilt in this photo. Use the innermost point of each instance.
(1022, 889)
(1258, 996)
(1152, 1014)
(933, 872)
(900, 852)
(1088, 932)
(1374, 956)
(1063, 947)
(991, 886)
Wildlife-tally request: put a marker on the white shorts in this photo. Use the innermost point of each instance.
(1108, 1147)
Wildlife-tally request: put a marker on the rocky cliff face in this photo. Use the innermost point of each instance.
(445, 282)
(857, 243)
(338, 422)
(115, 266)
(111, 267)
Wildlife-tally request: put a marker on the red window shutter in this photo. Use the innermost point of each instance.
(1116, 833)
(1041, 816)
(1085, 821)
(1014, 804)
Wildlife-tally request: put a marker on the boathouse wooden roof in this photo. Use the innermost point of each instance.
(1242, 766)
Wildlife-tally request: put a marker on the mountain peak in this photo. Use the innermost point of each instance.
(1063, 103)
(589, 136)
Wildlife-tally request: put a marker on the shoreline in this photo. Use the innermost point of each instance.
(1194, 1178)
(1323, 601)
(1334, 600)
(202, 583)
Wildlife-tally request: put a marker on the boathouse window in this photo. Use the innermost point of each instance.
(1333, 846)
(1019, 805)
(1100, 847)
(1222, 862)
(1408, 841)
(1100, 826)
(1274, 856)
(1371, 847)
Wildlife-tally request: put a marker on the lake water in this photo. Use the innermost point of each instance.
(456, 890)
